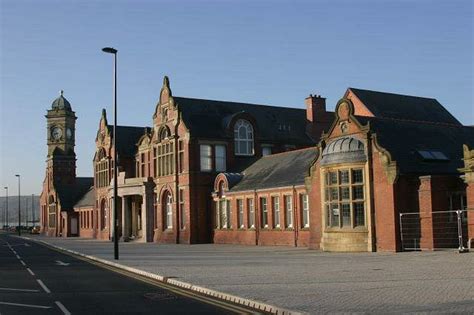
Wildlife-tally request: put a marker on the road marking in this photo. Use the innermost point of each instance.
(60, 263)
(25, 305)
(18, 257)
(22, 262)
(23, 290)
(64, 309)
(45, 288)
(31, 272)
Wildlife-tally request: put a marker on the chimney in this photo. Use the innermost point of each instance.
(315, 107)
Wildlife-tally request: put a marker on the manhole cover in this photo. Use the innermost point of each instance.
(157, 296)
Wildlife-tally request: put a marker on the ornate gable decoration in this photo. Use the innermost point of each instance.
(166, 96)
(468, 168)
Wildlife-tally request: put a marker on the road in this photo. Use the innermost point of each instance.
(35, 279)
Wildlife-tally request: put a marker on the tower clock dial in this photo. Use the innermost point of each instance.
(56, 133)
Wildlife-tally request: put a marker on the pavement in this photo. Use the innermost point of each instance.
(35, 279)
(307, 280)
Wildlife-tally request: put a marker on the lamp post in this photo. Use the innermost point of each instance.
(19, 212)
(6, 208)
(113, 51)
(33, 209)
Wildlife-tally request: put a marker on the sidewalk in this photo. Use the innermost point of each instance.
(306, 280)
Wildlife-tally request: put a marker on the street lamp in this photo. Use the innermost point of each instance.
(19, 212)
(33, 209)
(6, 201)
(113, 51)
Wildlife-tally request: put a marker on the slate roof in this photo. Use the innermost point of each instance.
(209, 119)
(69, 195)
(277, 170)
(404, 138)
(128, 137)
(87, 200)
(405, 107)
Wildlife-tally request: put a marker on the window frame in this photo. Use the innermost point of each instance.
(249, 138)
(339, 191)
(276, 211)
(208, 157)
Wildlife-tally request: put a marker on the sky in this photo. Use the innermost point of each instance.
(263, 52)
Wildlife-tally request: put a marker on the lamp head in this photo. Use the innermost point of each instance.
(109, 50)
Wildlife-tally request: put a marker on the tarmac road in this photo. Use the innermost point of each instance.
(35, 279)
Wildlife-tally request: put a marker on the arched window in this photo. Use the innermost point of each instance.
(243, 138)
(164, 133)
(102, 178)
(103, 214)
(168, 210)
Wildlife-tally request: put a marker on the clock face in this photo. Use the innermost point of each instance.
(69, 133)
(56, 133)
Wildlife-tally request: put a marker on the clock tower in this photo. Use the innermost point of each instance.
(61, 159)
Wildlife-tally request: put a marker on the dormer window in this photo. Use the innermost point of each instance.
(243, 138)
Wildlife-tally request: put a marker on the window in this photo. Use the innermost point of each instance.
(264, 211)
(305, 210)
(142, 165)
(243, 138)
(266, 151)
(102, 169)
(168, 210)
(182, 212)
(344, 198)
(240, 209)
(223, 214)
(181, 156)
(276, 211)
(103, 214)
(206, 158)
(155, 164)
(220, 158)
(250, 214)
(289, 211)
(165, 158)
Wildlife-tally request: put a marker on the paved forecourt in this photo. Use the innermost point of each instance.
(307, 280)
(35, 279)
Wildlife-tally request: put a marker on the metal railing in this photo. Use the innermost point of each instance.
(436, 230)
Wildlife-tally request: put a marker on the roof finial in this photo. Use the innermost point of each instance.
(61, 92)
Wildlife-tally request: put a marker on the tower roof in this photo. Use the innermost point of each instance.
(61, 103)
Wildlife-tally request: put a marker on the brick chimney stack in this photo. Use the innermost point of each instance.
(315, 107)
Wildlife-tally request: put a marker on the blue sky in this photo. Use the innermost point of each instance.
(268, 52)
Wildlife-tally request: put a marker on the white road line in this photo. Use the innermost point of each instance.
(22, 262)
(64, 309)
(45, 288)
(25, 305)
(23, 290)
(18, 257)
(31, 272)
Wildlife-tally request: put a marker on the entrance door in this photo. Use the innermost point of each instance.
(73, 226)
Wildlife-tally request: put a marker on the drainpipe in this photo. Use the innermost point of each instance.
(256, 207)
(295, 217)
(176, 180)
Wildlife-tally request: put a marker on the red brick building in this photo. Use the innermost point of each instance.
(226, 172)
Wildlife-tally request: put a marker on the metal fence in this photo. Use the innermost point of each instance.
(442, 229)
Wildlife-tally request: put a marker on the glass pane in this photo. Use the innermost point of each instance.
(346, 214)
(335, 215)
(328, 216)
(344, 177)
(345, 193)
(243, 147)
(332, 178)
(242, 132)
(358, 192)
(357, 176)
(334, 193)
(359, 214)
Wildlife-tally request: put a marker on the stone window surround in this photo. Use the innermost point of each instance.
(337, 168)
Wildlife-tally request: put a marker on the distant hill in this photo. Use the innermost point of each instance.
(25, 205)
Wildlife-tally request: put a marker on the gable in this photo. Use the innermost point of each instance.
(396, 106)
